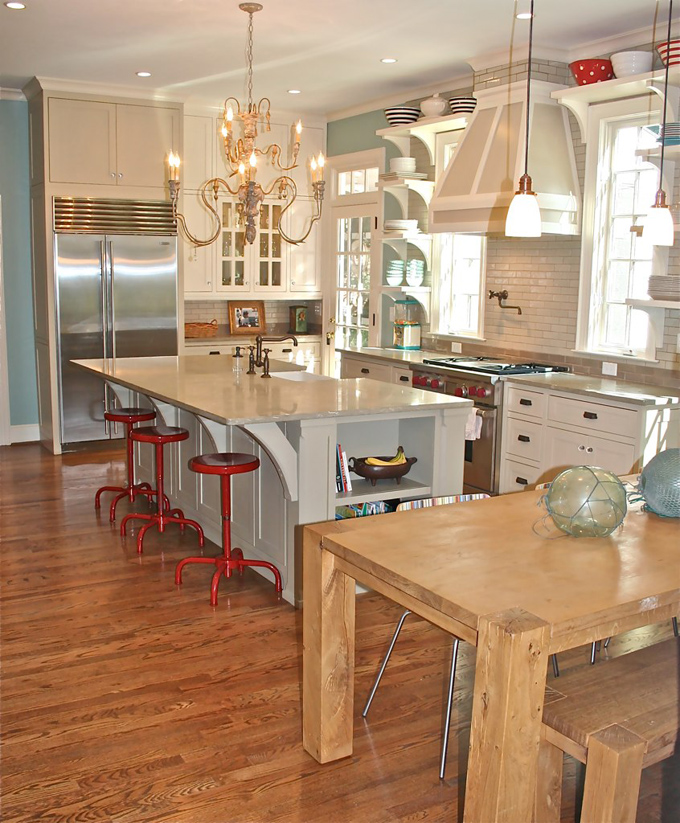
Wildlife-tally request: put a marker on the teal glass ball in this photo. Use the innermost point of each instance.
(586, 501)
(659, 484)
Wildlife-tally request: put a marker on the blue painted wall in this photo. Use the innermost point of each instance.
(16, 258)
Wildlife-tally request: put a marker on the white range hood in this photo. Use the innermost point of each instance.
(474, 192)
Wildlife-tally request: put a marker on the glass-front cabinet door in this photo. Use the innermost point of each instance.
(233, 274)
(258, 267)
(270, 275)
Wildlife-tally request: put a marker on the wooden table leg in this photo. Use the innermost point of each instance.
(328, 653)
(510, 675)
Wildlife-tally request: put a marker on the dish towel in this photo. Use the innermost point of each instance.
(473, 425)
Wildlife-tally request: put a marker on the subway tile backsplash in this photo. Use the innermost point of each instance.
(275, 311)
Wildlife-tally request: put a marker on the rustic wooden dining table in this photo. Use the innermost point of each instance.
(480, 572)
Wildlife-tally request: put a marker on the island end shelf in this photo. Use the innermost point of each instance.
(292, 423)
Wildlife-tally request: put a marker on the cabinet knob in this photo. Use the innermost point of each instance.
(589, 449)
(113, 174)
(292, 282)
(581, 448)
(120, 174)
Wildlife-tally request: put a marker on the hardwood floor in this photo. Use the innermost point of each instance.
(127, 700)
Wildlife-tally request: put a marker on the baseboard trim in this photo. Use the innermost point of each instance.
(27, 433)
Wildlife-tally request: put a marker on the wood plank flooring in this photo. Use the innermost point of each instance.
(127, 700)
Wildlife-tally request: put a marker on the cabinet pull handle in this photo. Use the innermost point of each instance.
(286, 351)
(522, 481)
(404, 379)
(590, 415)
(215, 352)
(365, 371)
(524, 438)
(524, 402)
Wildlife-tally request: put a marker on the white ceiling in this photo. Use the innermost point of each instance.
(329, 49)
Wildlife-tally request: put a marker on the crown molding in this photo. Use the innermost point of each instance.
(11, 94)
(608, 45)
(57, 84)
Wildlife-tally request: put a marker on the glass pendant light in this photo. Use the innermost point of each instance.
(658, 224)
(524, 216)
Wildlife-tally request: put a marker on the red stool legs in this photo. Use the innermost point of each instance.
(231, 559)
(130, 490)
(164, 513)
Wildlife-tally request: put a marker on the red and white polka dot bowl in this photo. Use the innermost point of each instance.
(591, 71)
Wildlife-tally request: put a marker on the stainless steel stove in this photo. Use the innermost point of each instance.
(481, 380)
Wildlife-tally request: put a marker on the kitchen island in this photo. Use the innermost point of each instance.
(292, 422)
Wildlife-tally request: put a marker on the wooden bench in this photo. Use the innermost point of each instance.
(617, 718)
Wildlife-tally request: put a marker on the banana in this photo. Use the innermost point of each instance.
(398, 459)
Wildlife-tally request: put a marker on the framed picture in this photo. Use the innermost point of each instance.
(246, 317)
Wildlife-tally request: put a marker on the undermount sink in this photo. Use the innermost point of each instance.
(300, 376)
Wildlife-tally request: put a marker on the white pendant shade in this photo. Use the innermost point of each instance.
(658, 226)
(524, 216)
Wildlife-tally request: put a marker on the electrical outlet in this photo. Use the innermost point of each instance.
(456, 348)
(609, 369)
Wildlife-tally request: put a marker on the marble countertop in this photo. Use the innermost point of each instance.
(392, 355)
(601, 388)
(203, 386)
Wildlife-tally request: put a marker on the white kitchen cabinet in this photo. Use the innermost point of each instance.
(198, 162)
(546, 431)
(198, 261)
(363, 366)
(111, 144)
(304, 260)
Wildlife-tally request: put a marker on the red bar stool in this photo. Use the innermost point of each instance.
(225, 465)
(128, 417)
(159, 436)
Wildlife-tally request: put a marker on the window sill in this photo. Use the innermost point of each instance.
(620, 358)
(459, 337)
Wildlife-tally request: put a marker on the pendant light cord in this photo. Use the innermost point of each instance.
(665, 92)
(526, 133)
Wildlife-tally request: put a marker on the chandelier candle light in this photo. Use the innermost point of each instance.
(242, 158)
(658, 225)
(524, 215)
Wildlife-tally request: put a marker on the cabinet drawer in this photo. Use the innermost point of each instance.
(352, 367)
(523, 438)
(401, 377)
(530, 403)
(594, 417)
(516, 476)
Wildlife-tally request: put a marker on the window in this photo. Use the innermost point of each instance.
(617, 260)
(353, 273)
(460, 284)
(357, 181)
(459, 271)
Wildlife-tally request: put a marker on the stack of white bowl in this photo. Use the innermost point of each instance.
(395, 273)
(415, 273)
(664, 287)
(401, 225)
(399, 165)
(627, 63)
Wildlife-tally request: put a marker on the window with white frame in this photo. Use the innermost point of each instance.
(617, 260)
(459, 271)
(357, 181)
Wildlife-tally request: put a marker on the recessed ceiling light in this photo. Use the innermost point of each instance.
(16, 6)
(143, 74)
(388, 60)
(293, 91)
(524, 15)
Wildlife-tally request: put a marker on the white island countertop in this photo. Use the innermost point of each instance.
(204, 386)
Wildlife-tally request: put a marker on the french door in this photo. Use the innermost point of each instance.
(352, 302)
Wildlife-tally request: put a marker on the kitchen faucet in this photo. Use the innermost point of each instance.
(264, 361)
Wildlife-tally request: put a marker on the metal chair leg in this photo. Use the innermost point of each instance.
(384, 663)
(556, 668)
(675, 627)
(449, 702)
(593, 651)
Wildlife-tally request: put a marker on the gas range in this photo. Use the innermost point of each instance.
(488, 365)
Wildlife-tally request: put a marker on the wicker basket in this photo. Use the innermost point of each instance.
(201, 329)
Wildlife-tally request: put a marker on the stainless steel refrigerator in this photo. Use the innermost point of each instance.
(116, 297)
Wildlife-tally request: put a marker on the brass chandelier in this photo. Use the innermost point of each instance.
(242, 157)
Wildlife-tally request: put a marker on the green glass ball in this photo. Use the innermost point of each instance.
(586, 501)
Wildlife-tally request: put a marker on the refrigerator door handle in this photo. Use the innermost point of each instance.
(112, 306)
(105, 296)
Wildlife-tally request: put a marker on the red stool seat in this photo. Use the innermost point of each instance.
(128, 417)
(158, 436)
(225, 465)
